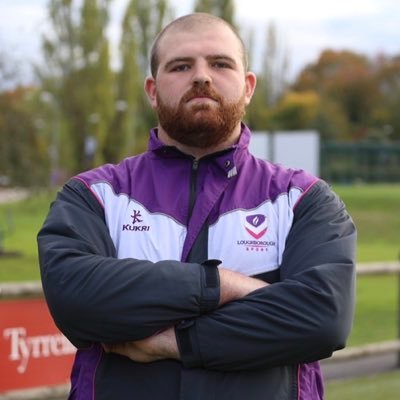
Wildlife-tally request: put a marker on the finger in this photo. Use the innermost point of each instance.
(110, 348)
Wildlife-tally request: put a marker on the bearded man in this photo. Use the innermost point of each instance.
(194, 270)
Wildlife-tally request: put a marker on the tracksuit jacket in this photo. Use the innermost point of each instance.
(128, 250)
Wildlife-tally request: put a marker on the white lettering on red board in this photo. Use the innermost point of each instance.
(23, 347)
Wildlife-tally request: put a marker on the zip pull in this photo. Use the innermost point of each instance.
(193, 186)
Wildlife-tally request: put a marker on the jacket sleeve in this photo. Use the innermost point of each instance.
(95, 297)
(302, 318)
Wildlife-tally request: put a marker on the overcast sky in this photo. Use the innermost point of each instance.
(306, 27)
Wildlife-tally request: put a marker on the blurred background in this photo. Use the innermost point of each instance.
(71, 81)
(71, 98)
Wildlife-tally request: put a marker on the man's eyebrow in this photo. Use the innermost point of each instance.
(211, 57)
(222, 57)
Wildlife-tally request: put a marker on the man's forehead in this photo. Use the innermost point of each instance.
(197, 30)
(218, 38)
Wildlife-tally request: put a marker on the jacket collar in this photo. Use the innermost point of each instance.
(229, 159)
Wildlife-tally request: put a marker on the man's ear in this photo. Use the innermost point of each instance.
(150, 89)
(251, 82)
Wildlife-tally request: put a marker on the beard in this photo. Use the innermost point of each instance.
(201, 125)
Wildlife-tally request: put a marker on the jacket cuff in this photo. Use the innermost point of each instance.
(210, 288)
(185, 331)
(186, 339)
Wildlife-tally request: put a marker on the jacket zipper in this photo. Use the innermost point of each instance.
(193, 187)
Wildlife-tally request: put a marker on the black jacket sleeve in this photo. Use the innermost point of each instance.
(302, 318)
(95, 297)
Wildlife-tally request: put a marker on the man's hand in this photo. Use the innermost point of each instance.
(160, 346)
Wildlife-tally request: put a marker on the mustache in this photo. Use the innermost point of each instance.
(201, 91)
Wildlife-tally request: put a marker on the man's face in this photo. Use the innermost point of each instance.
(201, 89)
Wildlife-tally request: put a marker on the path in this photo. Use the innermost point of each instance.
(370, 365)
(9, 195)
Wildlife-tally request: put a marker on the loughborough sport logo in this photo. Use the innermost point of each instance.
(256, 225)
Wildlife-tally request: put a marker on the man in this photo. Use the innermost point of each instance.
(194, 270)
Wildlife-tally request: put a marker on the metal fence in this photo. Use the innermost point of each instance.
(366, 162)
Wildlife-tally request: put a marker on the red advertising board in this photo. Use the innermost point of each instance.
(33, 352)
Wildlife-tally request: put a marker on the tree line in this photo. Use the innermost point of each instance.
(83, 111)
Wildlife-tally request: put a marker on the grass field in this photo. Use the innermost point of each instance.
(20, 223)
(376, 310)
(376, 212)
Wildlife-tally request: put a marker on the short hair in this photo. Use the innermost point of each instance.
(191, 22)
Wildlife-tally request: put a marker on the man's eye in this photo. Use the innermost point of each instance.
(181, 67)
(221, 64)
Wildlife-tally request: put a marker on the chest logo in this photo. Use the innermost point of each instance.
(256, 225)
(136, 217)
(136, 225)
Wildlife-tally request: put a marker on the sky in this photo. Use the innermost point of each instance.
(304, 27)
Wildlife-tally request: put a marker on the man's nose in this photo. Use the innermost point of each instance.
(201, 74)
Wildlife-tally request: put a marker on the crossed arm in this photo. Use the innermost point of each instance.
(163, 345)
(303, 317)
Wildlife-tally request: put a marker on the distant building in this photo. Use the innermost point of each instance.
(295, 149)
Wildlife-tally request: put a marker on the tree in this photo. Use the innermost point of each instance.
(22, 150)
(122, 132)
(296, 110)
(274, 67)
(386, 114)
(146, 19)
(142, 21)
(346, 79)
(272, 81)
(103, 113)
(77, 74)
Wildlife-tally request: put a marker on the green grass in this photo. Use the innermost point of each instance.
(379, 387)
(21, 221)
(376, 310)
(376, 213)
